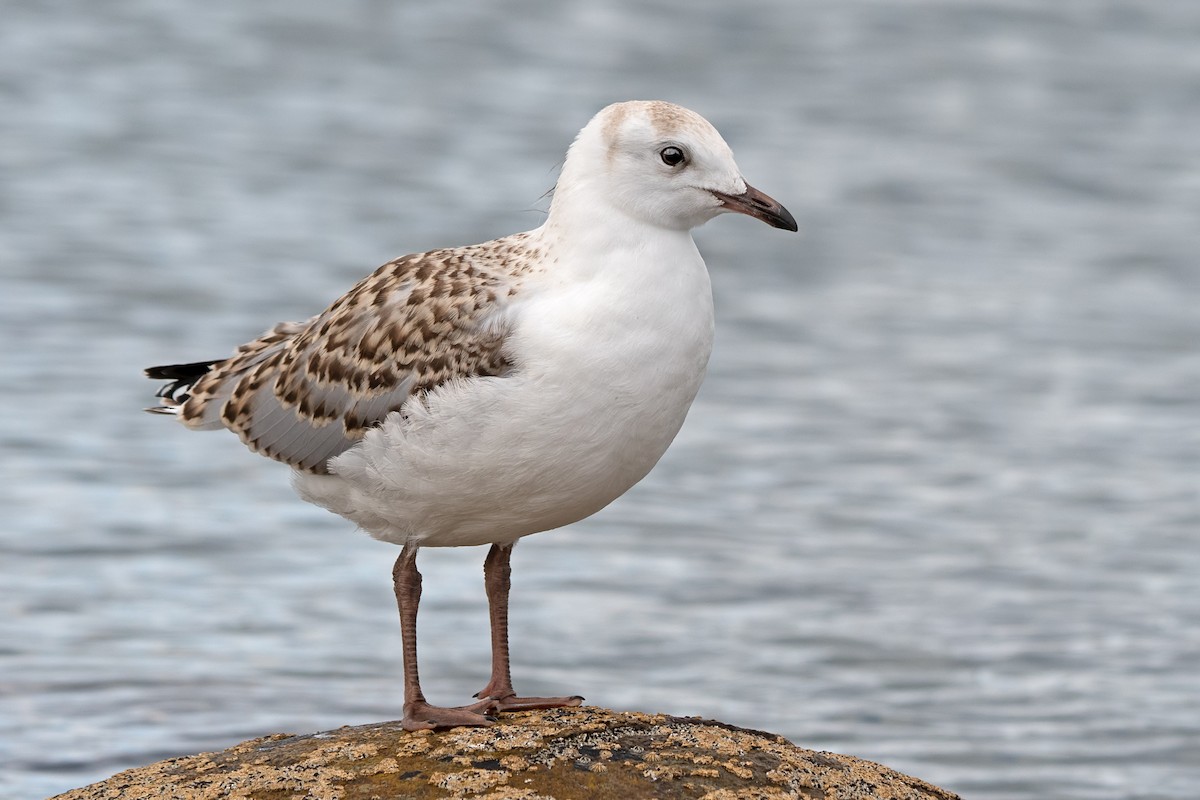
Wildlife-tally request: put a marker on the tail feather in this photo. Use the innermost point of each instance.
(196, 393)
(181, 377)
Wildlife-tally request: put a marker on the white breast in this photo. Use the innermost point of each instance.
(608, 355)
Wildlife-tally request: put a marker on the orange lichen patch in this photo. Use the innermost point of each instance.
(561, 754)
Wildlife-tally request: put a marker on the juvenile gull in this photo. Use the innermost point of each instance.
(479, 394)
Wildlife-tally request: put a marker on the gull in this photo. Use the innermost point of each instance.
(475, 395)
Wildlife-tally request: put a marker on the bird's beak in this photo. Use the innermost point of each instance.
(760, 206)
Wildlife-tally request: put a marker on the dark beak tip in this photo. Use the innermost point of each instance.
(754, 203)
(785, 221)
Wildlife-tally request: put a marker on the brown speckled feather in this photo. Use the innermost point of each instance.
(305, 392)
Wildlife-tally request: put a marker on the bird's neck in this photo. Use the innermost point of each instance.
(580, 213)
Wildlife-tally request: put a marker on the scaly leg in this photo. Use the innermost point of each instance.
(418, 714)
(496, 579)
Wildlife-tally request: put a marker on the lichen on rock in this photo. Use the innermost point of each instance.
(586, 753)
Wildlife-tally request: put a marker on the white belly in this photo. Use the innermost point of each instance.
(604, 375)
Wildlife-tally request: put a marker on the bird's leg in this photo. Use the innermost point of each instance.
(496, 579)
(418, 714)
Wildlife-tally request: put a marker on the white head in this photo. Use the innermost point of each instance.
(660, 164)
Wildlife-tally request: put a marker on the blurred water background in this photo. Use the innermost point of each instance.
(936, 506)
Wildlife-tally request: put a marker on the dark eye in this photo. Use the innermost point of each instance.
(671, 156)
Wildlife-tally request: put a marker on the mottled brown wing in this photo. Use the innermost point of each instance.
(307, 392)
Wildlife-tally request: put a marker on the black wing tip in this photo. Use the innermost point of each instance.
(181, 377)
(176, 372)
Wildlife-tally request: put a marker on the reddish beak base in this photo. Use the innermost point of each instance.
(754, 203)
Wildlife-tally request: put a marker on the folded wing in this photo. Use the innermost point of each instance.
(305, 392)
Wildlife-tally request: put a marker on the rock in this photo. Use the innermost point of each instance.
(562, 754)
